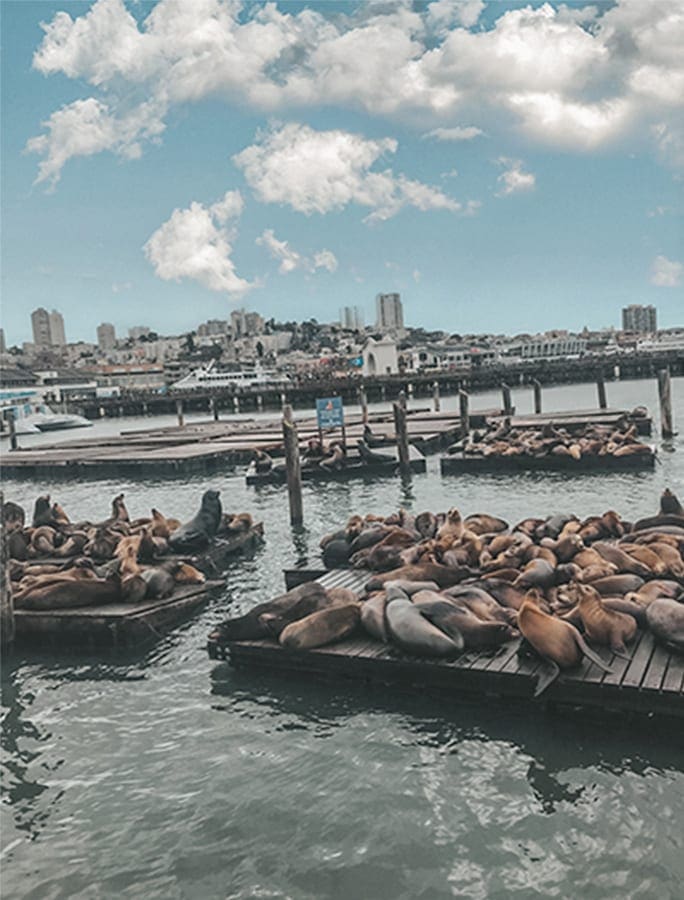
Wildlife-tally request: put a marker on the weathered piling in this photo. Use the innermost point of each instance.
(463, 404)
(435, 396)
(213, 409)
(12, 431)
(537, 396)
(363, 403)
(507, 400)
(179, 413)
(601, 388)
(402, 436)
(293, 467)
(7, 627)
(665, 397)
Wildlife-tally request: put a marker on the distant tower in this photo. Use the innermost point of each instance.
(40, 323)
(57, 336)
(389, 312)
(3, 345)
(641, 319)
(106, 336)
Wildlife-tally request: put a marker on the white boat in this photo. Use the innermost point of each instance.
(209, 377)
(32, 415)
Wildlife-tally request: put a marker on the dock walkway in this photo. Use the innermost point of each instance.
(650, 682)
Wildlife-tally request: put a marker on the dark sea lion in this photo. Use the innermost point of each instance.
(103, 543)
(558, 642)
(475, 632)
(629, 607)
(505, 593)
(372, 439)
(322, 627)
(603, 625)
(426, 525)
(441, 575)
(664, 520)
(71, 593)
(537, 573)
(413, 633)
(18, 544)
(339, 535)
(119, 511)
(670, 505)
(617, 584)
(162, 579)
(133, 588)
(263, 463)
(552, 526)
(367, 538)
(444, 615)
(336, 553)
(665, 618)
(480, 603)
(372, 456)
(336, 458)
(42, 511)
(622, 561)
(304, 599)
(13, 516)
(482, 523)
(198, 532)
(373, 616)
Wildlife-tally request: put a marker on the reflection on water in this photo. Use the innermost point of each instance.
(162, 774)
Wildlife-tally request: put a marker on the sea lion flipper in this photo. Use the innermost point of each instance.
(589, 653)
(547, 676)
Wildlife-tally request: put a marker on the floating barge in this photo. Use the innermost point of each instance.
(459, 464)
(355, 467)
(650, 682)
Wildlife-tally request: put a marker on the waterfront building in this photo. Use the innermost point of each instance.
(544, 346)
(641, 319)
(380, 357)
(106, 336)
(389, 312)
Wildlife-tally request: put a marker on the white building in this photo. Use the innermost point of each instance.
(380, 357)
(389, 312)
(544, 346)
(352, 318)
(106, 336)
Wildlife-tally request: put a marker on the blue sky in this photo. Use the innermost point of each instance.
(507, 167)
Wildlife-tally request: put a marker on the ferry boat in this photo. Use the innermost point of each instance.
(210, 377)
(32, 415)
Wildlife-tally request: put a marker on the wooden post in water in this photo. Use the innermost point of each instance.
(179, 413)
(665, 397)
(601, 388)
(363, 403)
(537, 396)
(402, 399)
(213, 409)
(6, 600)
(402, 436)
(435, 396)
(293, 467)
(463, 403)
(12, 431)
(507, 401)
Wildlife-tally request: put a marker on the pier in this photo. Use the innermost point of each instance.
(649, 683)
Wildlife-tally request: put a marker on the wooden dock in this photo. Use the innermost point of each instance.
(580, 418)
(355, 467)
(209, 446)
(649, 683)
(459, 464)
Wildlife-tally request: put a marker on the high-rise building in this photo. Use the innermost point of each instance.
(389, 312)
(106, 336)
(3, 345)
(244, 324)
(57, 335)
(40, 323)
(138, 331)
(641, 319)
(351, 318)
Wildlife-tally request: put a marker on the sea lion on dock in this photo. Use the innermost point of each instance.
(621, 560)
(263, 463)
(426, 525)
(336, 458)
(336, 553)
(373, 616)
(325, 626)
(603, 625)
(556, 641)
(162, 579)
(617, 584)
(454, 619)
(665, 618)
(410, 629)
(483, 523)
(70, 592)
(42, 511)
(537, 573)
(670, 505)
(119, 511)
(372, 439)
(372, 457)
(441, 575)
(13, 517)
(198, 532)
(304, 599)
(42, 541)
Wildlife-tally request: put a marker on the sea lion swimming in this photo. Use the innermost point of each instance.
(197, 533)
(322, 627)
(558, 642)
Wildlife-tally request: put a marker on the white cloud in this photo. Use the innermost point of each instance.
(196, 243)
(458, 133)
(666, 272)
(575, 78)
(416, 275)
(290, 259)
(320, 171)
(513, 179)
(119, 286)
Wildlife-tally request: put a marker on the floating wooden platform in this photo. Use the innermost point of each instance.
(355, 467)
(650, 682)
(208, 446)
(111, 626)
(458, 464)
(579, 418)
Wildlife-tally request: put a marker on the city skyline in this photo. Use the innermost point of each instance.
(493, 195)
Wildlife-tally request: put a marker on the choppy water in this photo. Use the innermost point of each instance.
(167, 775)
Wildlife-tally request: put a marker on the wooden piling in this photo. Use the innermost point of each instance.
(537, 396)
(179, 413)
(402, 436)
(402, 399)
(12, 431)
(665, 397)
(293, 467)
(601, 388)
(7, 627)
(363, 403)
(435, 396)
(507, 401)
(463, 404)
(213, 409)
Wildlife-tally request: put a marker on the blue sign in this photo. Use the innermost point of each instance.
(329, 412)
(356, 361)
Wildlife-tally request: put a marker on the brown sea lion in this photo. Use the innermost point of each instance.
(441, 575)
(482, 523)
(537, 573)
(71, 593)
(505, 593)
(480, 603)
(73, 546)
(558, 642)
(650, 591)
(621, 560)
(43, 541)
(602, 625)
(325, 626)
(617, 584)
(454, 619)
(304, 599)
(648, 557)
(42, 511)
(670, 557)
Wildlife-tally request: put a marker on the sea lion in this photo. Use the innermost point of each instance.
(367, 538)
(480, 603)
(119, 511)
(482, 523)
(263, 463)
(73, 546)
(336, 458)
(653, 589)
(373, 616)
(454, 620)
(198, 532)
(441, 575)
(42, 511)
(662, 520)
(43, 541)
(603, 625)
(617, 584)
(322, 627)
(13, 517)
(411, 587)
(622, 561)
(236, 523)
(558, 642)
(372, 439)
(670, 505)
(162, 579)
(413, 633)
(335, 554)
(71, 593)
(161, 526)
(665, 618)
(298, 602)
(18, 543)
(537, 573)
(505, 593)
(372, 456)
(102, 544)
(648, 557)
(628, 607)
(426, 525)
